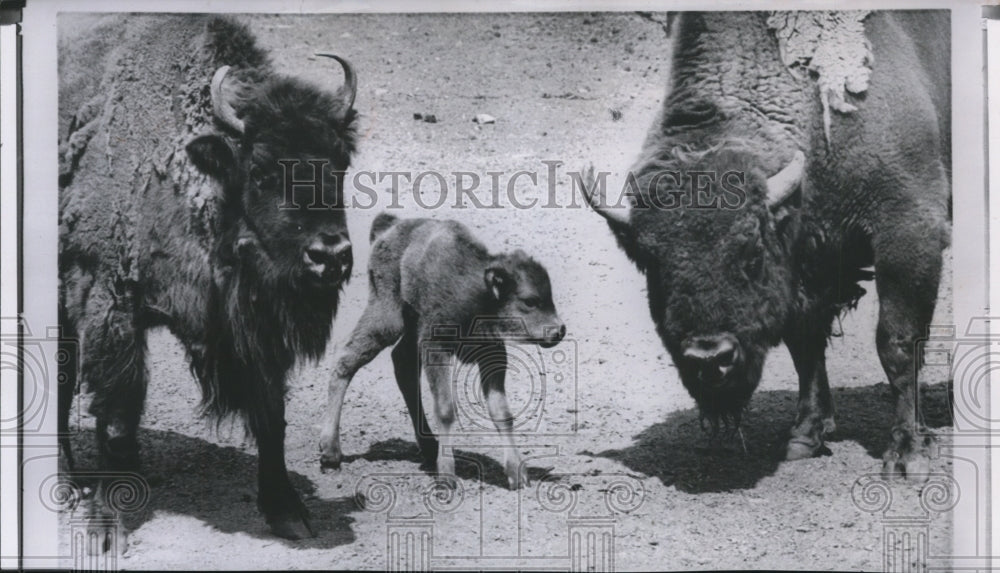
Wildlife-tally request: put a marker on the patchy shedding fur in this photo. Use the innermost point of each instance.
(830, 45)
(754, 274)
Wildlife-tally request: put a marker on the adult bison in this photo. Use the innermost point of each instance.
(755, 210)
(176, 211)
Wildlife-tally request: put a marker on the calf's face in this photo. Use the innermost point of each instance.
(522, 295)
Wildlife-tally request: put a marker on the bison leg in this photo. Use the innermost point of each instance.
(492, 364)
(67, 378)
(115, 367)
(276, 497)
(406, 363)
(815, 412)
(440, 374)
(907, 273)
(379, 326)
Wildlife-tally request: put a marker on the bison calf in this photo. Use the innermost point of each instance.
(427, 277)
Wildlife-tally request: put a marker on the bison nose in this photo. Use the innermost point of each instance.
(329, 257)
(721, 351)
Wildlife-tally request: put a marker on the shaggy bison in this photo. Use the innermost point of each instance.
(177, 211)
(755, 210)
(436, 292)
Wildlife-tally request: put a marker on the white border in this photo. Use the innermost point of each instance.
(10, 535)
(993, 119)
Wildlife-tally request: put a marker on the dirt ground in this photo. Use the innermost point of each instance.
(611, 436)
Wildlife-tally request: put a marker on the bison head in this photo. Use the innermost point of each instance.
(281, 160)
(710, 231)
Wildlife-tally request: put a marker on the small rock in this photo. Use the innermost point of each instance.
(418, 116)
(430, 118)
(484, 118)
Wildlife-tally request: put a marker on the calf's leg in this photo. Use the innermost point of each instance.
(492, 362)
(440, 375)
(406, 363)
(380, 325)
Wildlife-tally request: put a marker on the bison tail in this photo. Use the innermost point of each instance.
(382, 222)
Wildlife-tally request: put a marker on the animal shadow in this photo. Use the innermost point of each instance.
(674, 452)
(217, 485)
(470, 466)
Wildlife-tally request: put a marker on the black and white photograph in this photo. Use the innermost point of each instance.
(425, 287)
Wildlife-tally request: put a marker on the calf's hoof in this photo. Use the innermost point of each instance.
(428, 454)
(446, 483)
(517, 475)
(329, 459)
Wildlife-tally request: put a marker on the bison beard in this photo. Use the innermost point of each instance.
(184, 231)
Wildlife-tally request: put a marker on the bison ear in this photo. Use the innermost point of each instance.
(212, 155)
(786, 224)
(498, 281)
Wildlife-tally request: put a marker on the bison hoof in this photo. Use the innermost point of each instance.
(913, 467)
(292, 527)
(910, 456)
(800, 450)
(104, 537)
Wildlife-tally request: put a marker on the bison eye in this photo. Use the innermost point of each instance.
(532, 302)
(754, 265)
(257, 175)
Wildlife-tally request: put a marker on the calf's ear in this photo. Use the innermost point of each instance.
(498, 281)
(213, 156)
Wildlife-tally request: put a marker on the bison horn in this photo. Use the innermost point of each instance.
(350, 88)
(781, 185)
(596, 199)
(220, 107)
